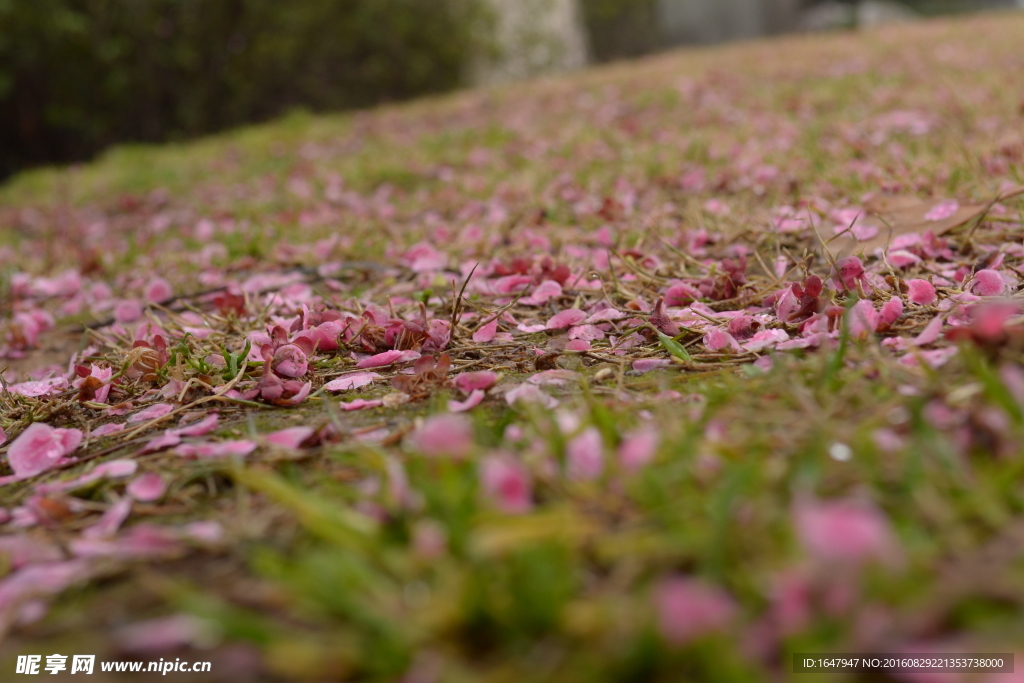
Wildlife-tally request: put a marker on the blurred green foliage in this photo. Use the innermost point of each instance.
(78, 75)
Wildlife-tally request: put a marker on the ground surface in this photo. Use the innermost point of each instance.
(667, 370)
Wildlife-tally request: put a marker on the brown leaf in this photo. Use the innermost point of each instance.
(896, 215)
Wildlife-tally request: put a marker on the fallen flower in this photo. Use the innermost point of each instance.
(688, 608)
(153, 412)
(506, 483)
(844, 531)
(147, 488)
(469, 382)
(291, 437)
(220, 449)
(921, 292)
(474, 399)
(360, 404)
(444, 435)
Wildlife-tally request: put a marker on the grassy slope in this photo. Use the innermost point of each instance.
(566, 592)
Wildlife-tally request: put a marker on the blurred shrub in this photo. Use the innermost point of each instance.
(78, 75)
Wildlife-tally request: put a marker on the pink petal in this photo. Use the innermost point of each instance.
(168, 439)
(360, 404)
(943, 210)
(716, 340)
(41, 447)
(444, 435)
(530, 394)
(3, 436)
(844, 531)
(158, 290)
(584, 455)
(988, 283)
(930, 332)
(862, 319)
(688, 608)
(638, 448)
(891, 311)
(291, 437)
(474, 399)
(922, 292)
(486, 333)
(43, 387)
(220, 449)
(471, 381)
(585, 332)
(107, 429)
(578, 345)
(506, 483)
(353, 381)
(147, 488)
(200, 428)
(380, 360)
(648, 364)
(110, 521)
(153, 412)
(567, 318)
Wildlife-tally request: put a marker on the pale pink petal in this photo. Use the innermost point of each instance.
(584, 456)
(381, 360)
(930, 333)
(200, 428)
(353, 381)
(486, 333)
(444, 435)
(577, 345)
(360, 404)
(506, 483)
(638, 448)
(114, 469)
(688, 608)
(471, 381)
(717, 339)
(765, 339)
(988, 283)
(147, 487)
(158, 290)
(168, 439)
(41, 447)
(648, 364)
(110, 521)
(844, 531)
(474, 399)
(567, 318)
(921, 292)
(891, 312)
(530, 394)
(108, 429)
(862, 319)
(220, 449)
(153, 412)
(292, 437)
(585, 332)
(942, 210)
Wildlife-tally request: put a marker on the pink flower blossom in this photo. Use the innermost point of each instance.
(147, 487)
(506, 483)
(352, 381)
(94, 383)
(988, 283)
(41, 447)
(584, 456)
(844, 531)
(444, 435)
(921, 292)
(689, 608)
